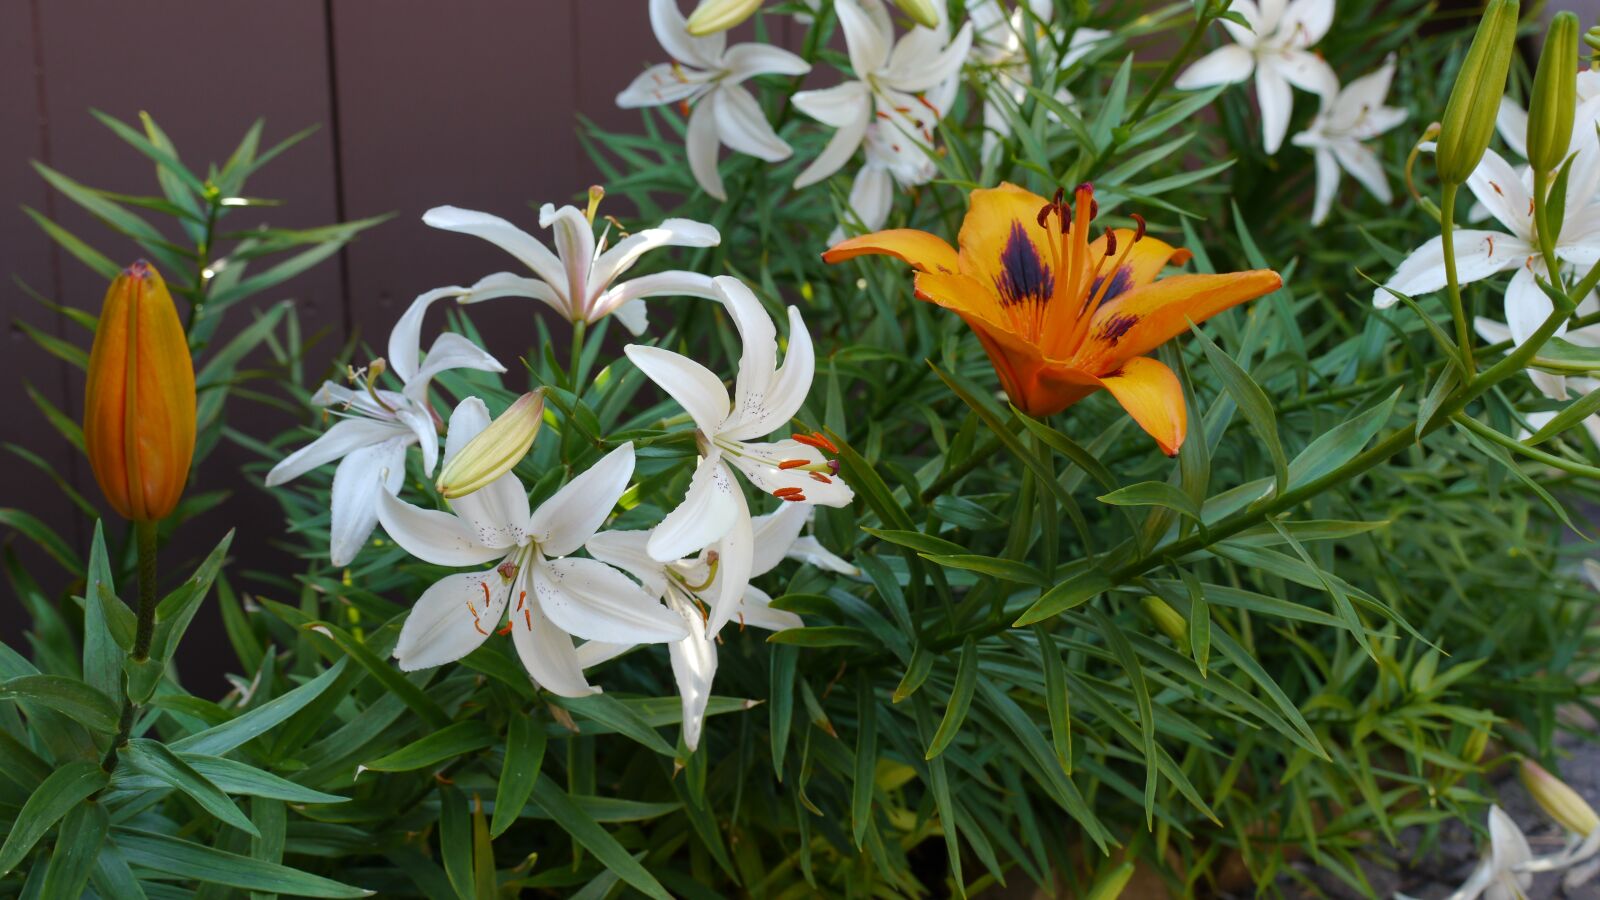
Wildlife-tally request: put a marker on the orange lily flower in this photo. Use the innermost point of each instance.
(1062, 316)
(139, 398)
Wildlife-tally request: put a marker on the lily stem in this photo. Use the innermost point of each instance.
(1447, 209)
(579, 333)
(145, 542)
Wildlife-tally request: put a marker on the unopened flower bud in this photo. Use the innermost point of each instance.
(1477, 743)
(495, 450)
(1592, 38)
(1469, 116)
(712, 16)
(139, 400)
(1169, 620)
(1559, 802)
(1555, 90)
(922, 12)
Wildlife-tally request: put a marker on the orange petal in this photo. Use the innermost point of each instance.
(1150, 392)
(963, 294)
(1004, 247)
(927, 252)
(1147, 317)
(1145, 260)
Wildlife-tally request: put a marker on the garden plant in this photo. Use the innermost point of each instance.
(986, 444)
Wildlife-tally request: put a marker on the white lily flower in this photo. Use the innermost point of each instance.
(1274, 46)
(708, 76)
(766, 396)
(684, 584)
(998, 48)
(1499, 874)
(1352, 115)
(890, 82)
(1480, 254)
(580, 279)
(379, 425)
(556, 596)
(1556, 387)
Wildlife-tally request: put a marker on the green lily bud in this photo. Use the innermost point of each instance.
(1468, 121)
(922, 12)
(495, 450)
(1559, 801)
(712, 16)
(1555, 95)
(1477, 743)
(1170, 621)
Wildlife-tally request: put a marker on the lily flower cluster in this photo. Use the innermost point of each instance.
(685, 579)
(1274, 44)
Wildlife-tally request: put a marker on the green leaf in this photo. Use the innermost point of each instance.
(436, 747)
(455, 840)
(80, 251)
(781, 708)
(525, 745)
(234, 777)
(392, 679)
(587, 832)
(1003, 569)
(41, 534)
(78, 842)
(177, 609)
(1340, 444)
(865, 776)
(484, 881)
(1057, 699)
(955, 712)
(155, 758)
(608, 711)
(78, 701)
(1575, 413)
(163, 158)
(176, 857)
(69, 785)
(1154, 493)
(102, 653)
(219, 739)
(1123, 651)
(917, 671)
(1251, 400)
(916, 540)
(1077, 590)
(823, 636)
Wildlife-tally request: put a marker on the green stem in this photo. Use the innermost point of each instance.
(1170, 72)
(145, 542)
(579, 333)
(203, 263)
(1516, 446)
(1447, 208)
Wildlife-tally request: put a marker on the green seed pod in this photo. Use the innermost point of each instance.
(1468, 121)
(1555, 92)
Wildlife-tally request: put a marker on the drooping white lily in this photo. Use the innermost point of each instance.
(708, 75)
(892, 78)
(1556, 387)
(1480, 254)
(1000, 52)
(766, 397)
(371, 438)
(1335, 137)
(1274, 46)
(684, 584)
(891, 159)
(580, 280)
(547, 595)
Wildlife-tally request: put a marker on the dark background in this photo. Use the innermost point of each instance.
(473, 103)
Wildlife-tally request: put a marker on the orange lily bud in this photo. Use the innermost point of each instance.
(139, 402)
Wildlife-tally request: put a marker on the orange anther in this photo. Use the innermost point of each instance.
(818, 476)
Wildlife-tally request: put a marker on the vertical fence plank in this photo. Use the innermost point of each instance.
(468, 105)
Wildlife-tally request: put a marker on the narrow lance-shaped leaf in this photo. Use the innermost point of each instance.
(955, 712)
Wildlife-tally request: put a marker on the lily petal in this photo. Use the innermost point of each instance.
(631, 293)
(773, 534)
(925, 252)
(847, 107)
(743, 61)
(1275, 100)
(672, 31)
(743, 127)
(1147, 317)
(707, 512)
(1305, 22)
(759, 462)
(589, 599)
(694, 666)
(670, 233)
(405, 338)
(733, 572)
(508, 237)
(432, 536)
(357, 482)
(1151, 394)
(696, 388)
(452, 618)
(343, 437)
(1228, 64)
(700, 143)
(547, 653)
(1479, 254)
(867, 43)
(574, 237)
(661, 84)
(756, 610)
(629, 551)
(573, 514)
(449, 351)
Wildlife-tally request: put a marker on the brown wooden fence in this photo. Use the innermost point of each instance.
(420, 102)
